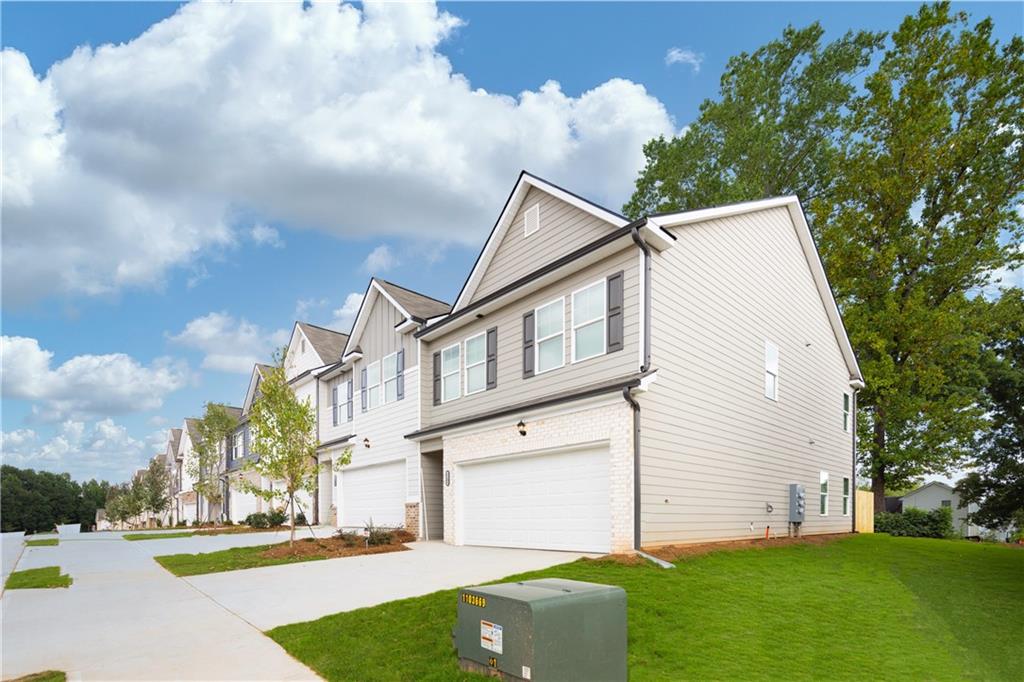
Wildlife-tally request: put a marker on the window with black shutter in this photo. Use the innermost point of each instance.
(437, 378)
(492, 358)
(616, 318)
(528, 339)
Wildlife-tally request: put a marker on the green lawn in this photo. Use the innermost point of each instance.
(49, 576)
(864, 607)
(232, 559)
(135, 537)
(47, 676)
(47, 542)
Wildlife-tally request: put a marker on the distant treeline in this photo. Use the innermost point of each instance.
(36, 501)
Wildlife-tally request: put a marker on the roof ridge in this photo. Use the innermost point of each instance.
(412, 291)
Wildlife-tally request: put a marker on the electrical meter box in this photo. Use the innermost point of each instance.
(797, 503)
(549, 629)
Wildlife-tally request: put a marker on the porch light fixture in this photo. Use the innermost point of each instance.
(522, 427)
(366, 442)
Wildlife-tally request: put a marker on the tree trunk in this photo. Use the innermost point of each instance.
(291, 503)
(877, 468)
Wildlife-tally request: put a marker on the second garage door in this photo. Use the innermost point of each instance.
(554, 500)
(374, 492)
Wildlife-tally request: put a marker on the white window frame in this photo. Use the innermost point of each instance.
(847, 491)
(846, 411)
(603, 317)
(348, 401)
(771, 371)
(535, 210)
(537, 340)
(457, 372)
(384, 380)
(823, 496)
(370, 387)
(465, 354)
(236, 446)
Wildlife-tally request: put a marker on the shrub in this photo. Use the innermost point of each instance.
(159, 523)
(917, 523)
(276, 518)
(377, 535)
(300, 519)
(182, 523)
(350, 539)
(257, 520)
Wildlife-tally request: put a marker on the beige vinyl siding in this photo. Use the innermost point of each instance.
(512, 388)
(714, 450)
(379, 337)
(328, 431)
(563, 229)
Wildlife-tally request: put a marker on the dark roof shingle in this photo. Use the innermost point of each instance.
(327, 343)
(416, 304)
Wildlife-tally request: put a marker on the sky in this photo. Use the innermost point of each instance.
(181, 183)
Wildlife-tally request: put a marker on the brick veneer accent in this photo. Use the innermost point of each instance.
(606, 424)
(412, 518)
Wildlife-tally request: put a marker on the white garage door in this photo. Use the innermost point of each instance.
(550, 501)
(374, 492)
(241, 505)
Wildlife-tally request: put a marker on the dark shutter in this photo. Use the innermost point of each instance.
(437, 378)
(528, 331)
(245, 444)
(400, 378)
(615, 316)
(334, 404)
(348, 406)
(362, 389)
(492, 358)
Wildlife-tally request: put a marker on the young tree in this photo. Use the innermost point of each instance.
(155, 489)
(996, 485)
(912, 184)
(213, 429)
(284, 440)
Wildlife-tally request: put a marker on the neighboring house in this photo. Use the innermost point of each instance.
(187, 498)
(171, 455)
(937, 494)
(603, 385)
(102, 523)
(369, 400)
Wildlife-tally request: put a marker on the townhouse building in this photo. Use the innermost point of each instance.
(599, 384)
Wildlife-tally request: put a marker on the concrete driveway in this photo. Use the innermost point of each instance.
(126, 618)
(292, 593)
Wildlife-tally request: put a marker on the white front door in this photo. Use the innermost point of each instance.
(556, 500)
(374, 493)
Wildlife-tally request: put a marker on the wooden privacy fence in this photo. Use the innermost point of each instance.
(865, 522)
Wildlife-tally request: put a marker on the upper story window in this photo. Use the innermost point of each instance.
(236, 446)
(846, 412)
(771, 370)
(347, 386)
(476, 363)
(550, 335)
(303, 345)
(531, 220)
(373, 385)
(588, 321)
(450, 361)
(390, 368)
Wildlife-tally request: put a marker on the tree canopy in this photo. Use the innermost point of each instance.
(213, 429)
(911, 181)
(37, 501)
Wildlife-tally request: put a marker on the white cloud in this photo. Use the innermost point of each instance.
(265, 235)
(102, 450)
(682, 55)
(380, 260)
(85, 385)
(346, 314)
(128, 160)
(229, 344)
(305, 306)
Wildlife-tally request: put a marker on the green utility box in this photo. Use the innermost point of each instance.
(543, 630)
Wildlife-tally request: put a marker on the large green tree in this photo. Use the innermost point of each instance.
(911, 181)
(996, 483)
(155, 483)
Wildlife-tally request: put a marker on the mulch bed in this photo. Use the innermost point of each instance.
(676, 552)
(335, 547)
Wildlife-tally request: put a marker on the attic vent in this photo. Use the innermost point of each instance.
(532, 220)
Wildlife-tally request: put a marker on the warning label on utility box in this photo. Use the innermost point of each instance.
(490, 636)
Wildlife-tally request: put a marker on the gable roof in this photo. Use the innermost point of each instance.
(515, 199)
(327, 343)
(235, 412)
(258, 370)
(803, 232)
(414, 306)
(928, 485)
(175, 440)
(193, 427)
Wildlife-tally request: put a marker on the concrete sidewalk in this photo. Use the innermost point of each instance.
(126, 618)
(292, 593)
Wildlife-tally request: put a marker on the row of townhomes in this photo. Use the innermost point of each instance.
(599, 384)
